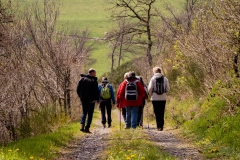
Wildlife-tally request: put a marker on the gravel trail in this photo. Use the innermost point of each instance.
(91, 146)
(174, 146)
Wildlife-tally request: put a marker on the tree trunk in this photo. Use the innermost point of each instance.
(120, 50)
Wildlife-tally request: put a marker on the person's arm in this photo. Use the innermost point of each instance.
(112, 94)
(146, 91)
(79, 87)
(97, 93)
(150, 87)
(99, 90)
(141, 90)
(119, 93)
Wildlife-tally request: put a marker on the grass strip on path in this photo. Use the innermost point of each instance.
(132, 144)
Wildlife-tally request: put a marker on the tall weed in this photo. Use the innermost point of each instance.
(46, 120)
(216, 129)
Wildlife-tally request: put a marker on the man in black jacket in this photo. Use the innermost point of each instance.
(88, 92)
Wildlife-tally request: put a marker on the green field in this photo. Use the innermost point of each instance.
(93, 16)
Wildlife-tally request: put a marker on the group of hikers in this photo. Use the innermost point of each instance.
(131, 97)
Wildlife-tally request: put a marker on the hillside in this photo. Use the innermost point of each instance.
(94, 16)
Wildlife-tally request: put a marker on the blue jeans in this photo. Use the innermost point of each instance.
(87, 111)
(131, 116)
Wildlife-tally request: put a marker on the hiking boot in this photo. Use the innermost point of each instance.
(127, 128)
(87, 130)
(160, 129)
(82, 128)
(109, 125)
(104, 125)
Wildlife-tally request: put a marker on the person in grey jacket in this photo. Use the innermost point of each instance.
(158, 100)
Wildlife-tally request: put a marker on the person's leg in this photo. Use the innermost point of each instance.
(134, 116)
(139, 118)
(156, 108)
(90, 110)
(83, 117)
(124, 114)
(109, 110)
(84, 114)
(162, 105)
(128, 117)
(102, 107)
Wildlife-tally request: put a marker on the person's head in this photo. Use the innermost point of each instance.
(92, 72)
(157, 70)
(104, 80)
(131, 74)
(126, 75)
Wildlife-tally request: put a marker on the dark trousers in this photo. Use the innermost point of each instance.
(159, 109)
(140, 116)
(106, 105)
(87, 111)
(124, 114)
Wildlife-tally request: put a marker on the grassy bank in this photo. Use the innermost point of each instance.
(44, 146)
(211, 122)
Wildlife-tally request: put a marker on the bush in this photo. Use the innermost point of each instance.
(216, 130)
(42, 121)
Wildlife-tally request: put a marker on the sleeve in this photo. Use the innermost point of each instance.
(167, 87)
(141, 90)
(79, 87)
(96, 91)
(150, 87)
(99, 90)
(146, 91)
(120, 93)
(112, 94)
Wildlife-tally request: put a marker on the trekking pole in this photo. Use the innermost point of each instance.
(120, 118)
(142, 117)
(147, 117)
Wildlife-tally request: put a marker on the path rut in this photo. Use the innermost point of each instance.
(90, 146)
(174, 146)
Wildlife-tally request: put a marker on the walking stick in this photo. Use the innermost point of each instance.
(147, 117)
(120, 118)
(142, 117)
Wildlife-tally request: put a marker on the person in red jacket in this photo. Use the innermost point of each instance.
(132, 105)
(120, 103)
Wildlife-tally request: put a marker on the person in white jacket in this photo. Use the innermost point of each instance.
(158, 100)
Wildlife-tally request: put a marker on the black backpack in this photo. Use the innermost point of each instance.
(160, 85)
(131, 91)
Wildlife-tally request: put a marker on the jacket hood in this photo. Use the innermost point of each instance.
(88, 76)
(157, 75)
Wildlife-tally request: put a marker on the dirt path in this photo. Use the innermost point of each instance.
(172, 145)
(91, 145)
(88, 147)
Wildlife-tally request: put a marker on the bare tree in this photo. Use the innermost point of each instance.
(38, 68)
(139, 13)
(120, 43)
